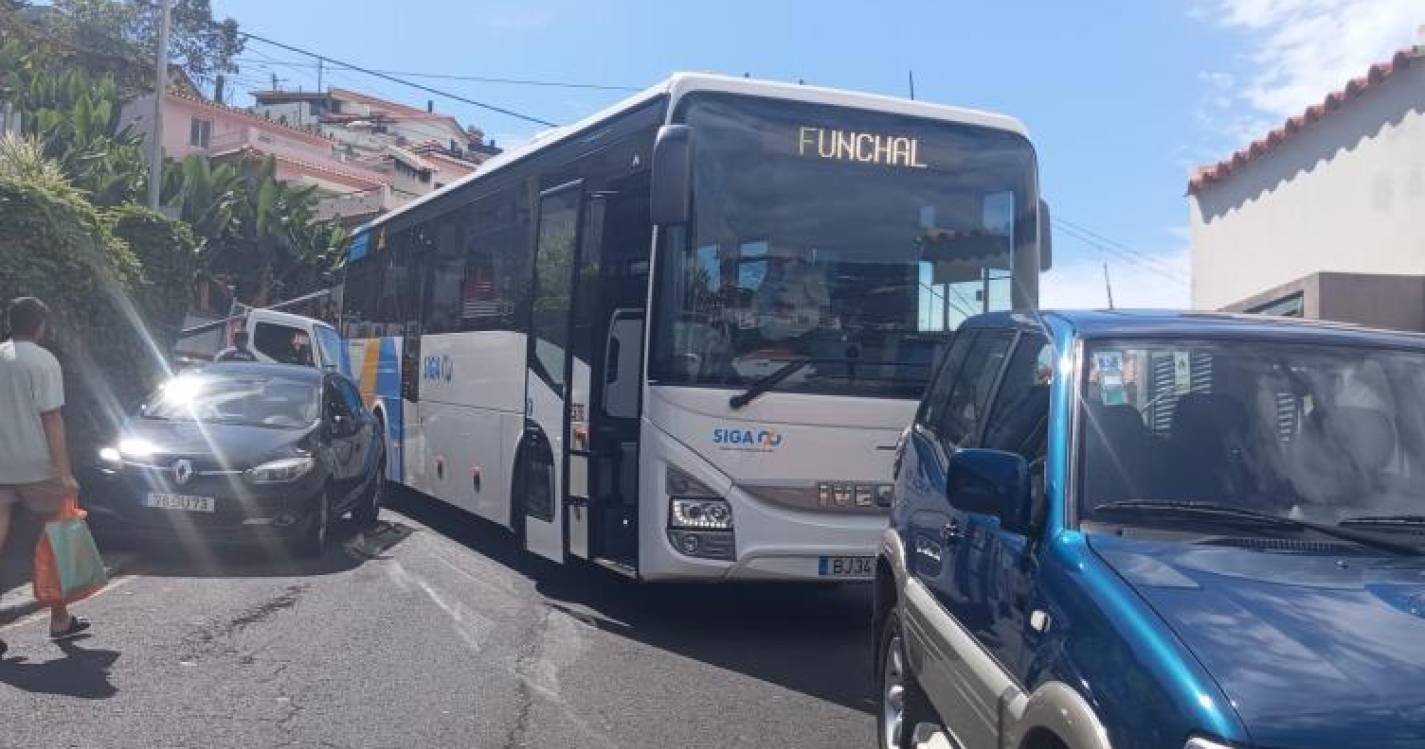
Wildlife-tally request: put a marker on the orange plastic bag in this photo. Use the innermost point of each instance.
(78, 564)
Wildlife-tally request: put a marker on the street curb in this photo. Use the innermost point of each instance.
(20, 603)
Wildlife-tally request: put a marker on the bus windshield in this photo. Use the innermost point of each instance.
(851, 239)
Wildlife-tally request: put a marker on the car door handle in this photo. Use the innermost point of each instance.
(950, 533)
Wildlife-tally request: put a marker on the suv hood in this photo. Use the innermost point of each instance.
(1312, 649)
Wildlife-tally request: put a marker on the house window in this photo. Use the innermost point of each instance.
(200, 132)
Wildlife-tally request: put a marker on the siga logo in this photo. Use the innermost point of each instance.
(437, 368)
(761, 440)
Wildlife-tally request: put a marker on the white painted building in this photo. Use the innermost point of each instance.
(1299, 221)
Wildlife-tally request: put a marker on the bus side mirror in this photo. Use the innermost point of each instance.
(672, 175)
(1046, 238)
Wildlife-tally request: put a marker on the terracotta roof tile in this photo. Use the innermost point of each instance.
(1378, 73)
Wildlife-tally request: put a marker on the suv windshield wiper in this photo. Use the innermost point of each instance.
(1244, 514)
(767, 382)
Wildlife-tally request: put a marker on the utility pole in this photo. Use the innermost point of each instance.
(911, 75)
(160, 88)
(1108, 285)
(319, 74)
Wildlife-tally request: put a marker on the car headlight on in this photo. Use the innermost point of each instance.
(111, 457)
(136, 448)
(281, 470)
(700, 514)
(1197, 742)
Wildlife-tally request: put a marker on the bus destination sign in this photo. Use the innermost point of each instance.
(867, 148)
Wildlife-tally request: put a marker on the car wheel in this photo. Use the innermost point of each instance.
(313, 542)
(903, 704)
(366, 512)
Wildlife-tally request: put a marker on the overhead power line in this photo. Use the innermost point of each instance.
(453, 76)
(402, 81)
(1122, 252)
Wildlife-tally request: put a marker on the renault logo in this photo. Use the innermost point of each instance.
(182, 471)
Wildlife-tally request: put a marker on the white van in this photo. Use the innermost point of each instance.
(290, 339)
(273, 336)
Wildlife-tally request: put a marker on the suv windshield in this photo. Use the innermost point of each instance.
(1307, 432)
(850, 239)
(252, 400)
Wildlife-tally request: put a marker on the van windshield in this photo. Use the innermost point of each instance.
(1305, 432)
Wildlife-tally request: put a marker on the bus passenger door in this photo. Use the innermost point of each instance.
(548, 381)
(615, 333)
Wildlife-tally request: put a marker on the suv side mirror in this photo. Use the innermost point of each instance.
(672, 175)
(992, 482)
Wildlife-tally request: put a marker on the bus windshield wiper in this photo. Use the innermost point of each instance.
(1243, 514)
(767, 382)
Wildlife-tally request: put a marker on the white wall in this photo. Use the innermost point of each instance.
(1346, 193)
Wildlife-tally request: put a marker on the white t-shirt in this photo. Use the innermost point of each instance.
(30, 384)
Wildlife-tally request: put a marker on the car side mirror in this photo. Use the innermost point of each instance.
(672, 175)
(992, 482)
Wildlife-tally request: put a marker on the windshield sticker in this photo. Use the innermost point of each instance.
(747, 440)
(867, 148)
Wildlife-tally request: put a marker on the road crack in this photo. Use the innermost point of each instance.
(527, 656)
(215, 637)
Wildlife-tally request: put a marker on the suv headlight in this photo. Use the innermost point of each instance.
(281, 470)
(1197, 742)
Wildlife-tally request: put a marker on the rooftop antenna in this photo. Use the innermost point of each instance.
(1108, 285)
(911, 75)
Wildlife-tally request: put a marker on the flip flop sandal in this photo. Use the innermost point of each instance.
(76, 627)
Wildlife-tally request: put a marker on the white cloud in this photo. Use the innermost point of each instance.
(1159, 280)
(1304, 49)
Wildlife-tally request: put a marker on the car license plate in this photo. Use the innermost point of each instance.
(183, 502)
(845, 567)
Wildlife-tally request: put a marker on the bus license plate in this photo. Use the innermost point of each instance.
(183, 502)
(845, 567)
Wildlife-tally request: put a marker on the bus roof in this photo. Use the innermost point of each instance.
(680, 84)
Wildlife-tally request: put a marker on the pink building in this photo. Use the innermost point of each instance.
(303, 156)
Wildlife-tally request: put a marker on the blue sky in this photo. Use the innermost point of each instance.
(1122, 98)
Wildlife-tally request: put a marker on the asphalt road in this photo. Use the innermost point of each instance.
(433, 630)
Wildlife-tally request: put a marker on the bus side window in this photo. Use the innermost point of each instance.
(445, 269)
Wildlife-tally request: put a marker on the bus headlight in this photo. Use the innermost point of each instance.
(700, 514)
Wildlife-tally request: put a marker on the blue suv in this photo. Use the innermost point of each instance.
(1131, 530)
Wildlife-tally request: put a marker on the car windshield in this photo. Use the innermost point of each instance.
(851, 239)
(249, 399)
(1309, 432)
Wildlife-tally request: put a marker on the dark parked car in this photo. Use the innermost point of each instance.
(1159, 530)
(235, 451)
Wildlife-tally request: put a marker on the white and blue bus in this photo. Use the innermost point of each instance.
(681, 337)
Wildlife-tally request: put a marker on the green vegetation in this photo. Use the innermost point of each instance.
(72, 230)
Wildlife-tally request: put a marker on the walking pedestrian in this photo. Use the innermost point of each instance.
(35, 470)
